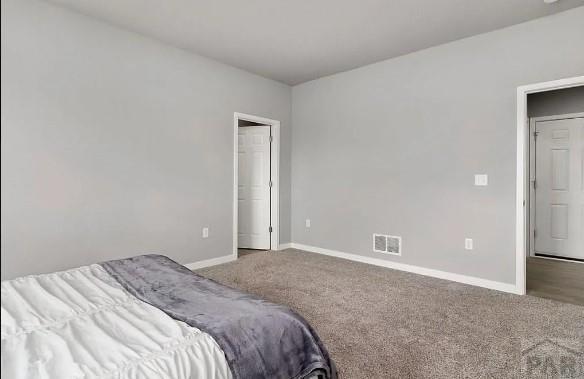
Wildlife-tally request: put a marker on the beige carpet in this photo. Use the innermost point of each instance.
(382, 323)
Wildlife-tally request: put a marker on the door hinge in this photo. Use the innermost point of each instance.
(534, 184)
(271, 229)
(535, 135)
(271, 138)
(270, 184)
(534, 233)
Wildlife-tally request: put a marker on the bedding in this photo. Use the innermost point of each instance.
(149, 317)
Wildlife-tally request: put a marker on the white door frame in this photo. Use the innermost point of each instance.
(531, 189)
(522, 180)
(274, 174)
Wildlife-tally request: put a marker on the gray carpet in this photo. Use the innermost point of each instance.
(382, 323)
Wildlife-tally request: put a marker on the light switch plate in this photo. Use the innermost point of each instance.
(468, 245)
(481, 179)
(308, 223)
(205, 232)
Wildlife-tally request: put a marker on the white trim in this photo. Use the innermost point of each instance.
(521, 195)
(274, 173)
(210, 262)
(490, 284)
(285, 246)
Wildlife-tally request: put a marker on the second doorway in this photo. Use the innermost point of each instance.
(254, 186)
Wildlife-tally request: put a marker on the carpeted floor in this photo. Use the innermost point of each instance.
(382, 323)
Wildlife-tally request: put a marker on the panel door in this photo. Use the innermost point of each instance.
(559, 192)
(254, 187)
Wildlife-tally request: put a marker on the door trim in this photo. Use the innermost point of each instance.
(531, 196)
(274, 174)
(522, 174)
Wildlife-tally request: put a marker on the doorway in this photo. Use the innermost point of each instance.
(554, 194)
(523, 184)
(256, 183)
(556, 171)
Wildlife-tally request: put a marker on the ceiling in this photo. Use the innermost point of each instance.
(294, 41)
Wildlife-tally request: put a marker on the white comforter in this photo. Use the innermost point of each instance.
(82, 324)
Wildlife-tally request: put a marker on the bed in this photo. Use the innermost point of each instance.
(149, 317)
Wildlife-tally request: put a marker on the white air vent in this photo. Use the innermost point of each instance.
(386, 244)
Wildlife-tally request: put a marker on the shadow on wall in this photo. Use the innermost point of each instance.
(550, 103)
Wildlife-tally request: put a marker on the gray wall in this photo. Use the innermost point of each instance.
(550, 103)
(393, 147)
(115, 145)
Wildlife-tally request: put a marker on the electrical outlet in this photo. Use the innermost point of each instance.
(205, 232)
(308, 223)
(481, 180)
(468, 244)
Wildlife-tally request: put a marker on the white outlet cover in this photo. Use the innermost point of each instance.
(205, 232)
(308, 223)
(481, 179)
(468, 244)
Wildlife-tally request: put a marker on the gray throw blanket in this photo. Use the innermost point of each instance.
(259, 339)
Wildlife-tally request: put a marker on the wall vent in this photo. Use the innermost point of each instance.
(387, 244)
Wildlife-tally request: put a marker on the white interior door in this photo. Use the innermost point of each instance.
(559, 188)
(254, 187)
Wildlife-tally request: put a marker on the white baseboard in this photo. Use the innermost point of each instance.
(210, 262)
(490, 284)
(284, 246)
